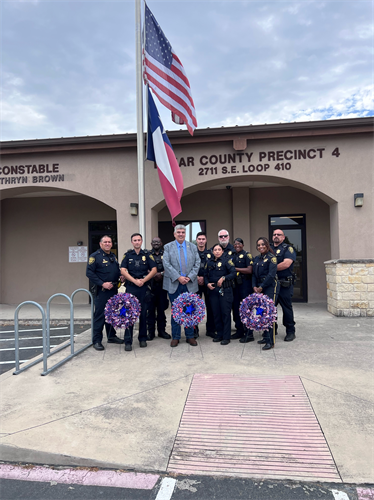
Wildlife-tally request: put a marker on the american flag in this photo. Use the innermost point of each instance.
(165, 74)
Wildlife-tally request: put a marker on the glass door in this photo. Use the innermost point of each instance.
(294, 230)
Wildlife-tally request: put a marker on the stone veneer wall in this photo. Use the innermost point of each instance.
(350, 287)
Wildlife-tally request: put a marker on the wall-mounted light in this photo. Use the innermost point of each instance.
(79, 243)
(133, 208)
(359, 199)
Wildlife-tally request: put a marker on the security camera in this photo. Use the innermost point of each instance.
(228, 187)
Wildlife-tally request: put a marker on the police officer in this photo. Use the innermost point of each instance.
(103, 271)
(264, 281)
(224, 241)
(159, 297)
(219, 275)
(243, 287)
(286, 257)
(138, 267)
(204, 255)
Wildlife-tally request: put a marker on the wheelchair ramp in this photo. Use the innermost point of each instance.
(251, 426)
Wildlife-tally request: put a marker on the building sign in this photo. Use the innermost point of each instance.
(262, 161)
(43, 173)
(77, 254)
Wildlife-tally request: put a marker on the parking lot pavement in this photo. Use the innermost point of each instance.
(31, 342)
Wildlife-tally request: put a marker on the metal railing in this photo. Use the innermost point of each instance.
(46, 334)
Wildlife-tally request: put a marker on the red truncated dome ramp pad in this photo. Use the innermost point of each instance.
(251, 426)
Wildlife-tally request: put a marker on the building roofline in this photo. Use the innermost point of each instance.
(206, 135)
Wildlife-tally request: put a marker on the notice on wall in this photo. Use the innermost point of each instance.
(77, 254)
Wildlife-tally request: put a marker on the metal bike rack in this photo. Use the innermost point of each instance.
(46, 342)
(16, 336)
(46, 334)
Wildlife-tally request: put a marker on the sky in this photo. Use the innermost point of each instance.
(68, 68)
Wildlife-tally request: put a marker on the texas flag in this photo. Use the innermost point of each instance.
(160, 151)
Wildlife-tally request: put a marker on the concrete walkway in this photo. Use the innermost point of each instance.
(122, 409)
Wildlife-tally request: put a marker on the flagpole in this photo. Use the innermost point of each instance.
(139, 120)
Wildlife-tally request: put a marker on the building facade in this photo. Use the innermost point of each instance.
(58, 196)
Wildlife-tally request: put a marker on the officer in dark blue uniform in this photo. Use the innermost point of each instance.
(138, 267)
(204, 255)
(264, 281)
(159, 297)
(243, 287)
(103, 271)
(286, 257)
(224, 241)
(219, 275)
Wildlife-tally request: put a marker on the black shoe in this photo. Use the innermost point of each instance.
(289, 337)
(164, 335)
(247, 338)
(217, 339)
(262, 341)
(99, 346)
(128, 347)
(225, 342)
(115, 340)
(151, 336)
(236, 336)
(211, 334)
(267, 347)
(142, 343)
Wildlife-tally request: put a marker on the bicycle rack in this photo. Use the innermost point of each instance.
(16, 336)
(46, 334)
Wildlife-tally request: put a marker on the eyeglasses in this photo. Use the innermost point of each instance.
(223, 236)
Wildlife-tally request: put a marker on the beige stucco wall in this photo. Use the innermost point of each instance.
(35, 237)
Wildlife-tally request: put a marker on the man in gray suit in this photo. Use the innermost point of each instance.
(181, 265)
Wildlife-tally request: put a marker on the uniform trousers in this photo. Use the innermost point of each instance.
(175, 328)
(285, 301)
(210, 327)
(240, 292)
(100, 301)
(139, 293)
(272, 292)
(157, 305)
(221, 307)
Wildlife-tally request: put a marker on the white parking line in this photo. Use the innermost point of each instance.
(166, 489)
(31, 347)
(37, 338)
(339, 495)
(35, 329)
(13, 362)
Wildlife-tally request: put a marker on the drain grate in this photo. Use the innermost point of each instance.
(251, 426)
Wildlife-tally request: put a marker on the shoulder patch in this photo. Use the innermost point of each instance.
(229, 252)
(249, 256)
(152, 258)
(91, 260)
(230, 262)
(208, 255)
(124, 256)
(274, 260)
(290, 249)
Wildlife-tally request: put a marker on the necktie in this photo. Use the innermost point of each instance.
(183, 260)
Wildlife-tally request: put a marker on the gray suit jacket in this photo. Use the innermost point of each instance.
(172, 267)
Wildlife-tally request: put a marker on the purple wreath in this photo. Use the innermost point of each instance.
(122, 310)
(258, 312)
(188, 310)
